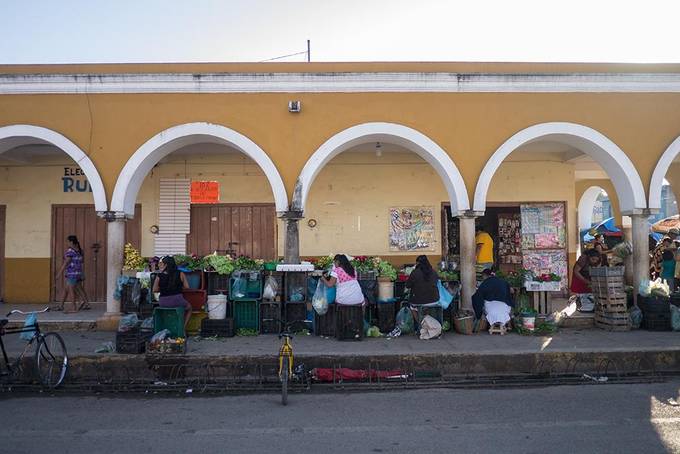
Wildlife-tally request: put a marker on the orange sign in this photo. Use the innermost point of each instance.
(205, 192)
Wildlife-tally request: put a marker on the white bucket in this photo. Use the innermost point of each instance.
(217, 307)
(385, 290)
(529, 323)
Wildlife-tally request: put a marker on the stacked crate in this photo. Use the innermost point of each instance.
(611, 310)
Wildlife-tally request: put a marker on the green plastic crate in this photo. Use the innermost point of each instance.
(246, 314)
(170, 318)
(253, 286)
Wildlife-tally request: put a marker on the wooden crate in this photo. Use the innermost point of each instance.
(613, 304)
(612, 321)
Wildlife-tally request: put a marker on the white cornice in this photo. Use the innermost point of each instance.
(340, 83)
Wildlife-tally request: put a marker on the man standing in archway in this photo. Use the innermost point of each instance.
(484, 244)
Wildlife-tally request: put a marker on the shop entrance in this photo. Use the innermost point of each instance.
(82, 221)
(240, 229)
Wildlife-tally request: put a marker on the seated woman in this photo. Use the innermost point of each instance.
(343, 275)
(170, 283)
(493, 299)
(422, 285)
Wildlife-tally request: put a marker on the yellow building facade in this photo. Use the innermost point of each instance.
(468, 136)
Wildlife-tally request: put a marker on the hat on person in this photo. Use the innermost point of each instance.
(674, 231)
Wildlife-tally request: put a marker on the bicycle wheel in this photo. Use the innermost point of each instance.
(51, 360)
(284, 380)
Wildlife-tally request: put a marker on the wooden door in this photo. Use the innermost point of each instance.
(245, 229)
(3, 209)
(82, 221)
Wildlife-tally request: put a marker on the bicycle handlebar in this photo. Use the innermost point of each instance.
(17, 311)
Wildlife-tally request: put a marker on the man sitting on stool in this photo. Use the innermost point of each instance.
(493, 298)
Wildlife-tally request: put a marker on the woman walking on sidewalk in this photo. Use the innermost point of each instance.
(72, 270)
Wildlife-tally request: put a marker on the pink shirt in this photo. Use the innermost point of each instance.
(348, 290)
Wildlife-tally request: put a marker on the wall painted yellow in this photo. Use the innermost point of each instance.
(583, 185)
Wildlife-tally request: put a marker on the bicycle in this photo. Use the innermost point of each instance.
(50, 358)
(285, 361)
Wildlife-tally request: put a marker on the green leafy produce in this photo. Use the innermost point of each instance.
(324, 263)
(446, 326)
(222, 264)
(448, 275)
(373, 331)
(247, 264)
(247, 332)
(386, 270)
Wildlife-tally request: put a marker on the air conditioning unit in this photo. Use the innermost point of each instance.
(294, 106)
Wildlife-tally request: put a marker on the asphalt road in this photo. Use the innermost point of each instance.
(562, 419)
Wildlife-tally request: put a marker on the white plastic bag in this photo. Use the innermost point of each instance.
(319, 301)
(271, 288)
(430, 328)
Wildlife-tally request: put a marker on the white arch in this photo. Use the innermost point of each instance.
(24, 133)
(392, 133)
(613, 160)
(586, 205)
(660, 173)
(165, 142)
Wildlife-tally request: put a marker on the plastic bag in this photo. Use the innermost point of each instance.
(271, 288)
(404, 320)
(585, 302)
(240, 286)
(445, 297)
(319, 301)
(127, 322)
(675, 317)
(373, 331)
(430, 328)
(644, 288)
(635, 317)
(30, 320)
(159, 336)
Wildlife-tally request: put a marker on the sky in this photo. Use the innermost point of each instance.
(97, 31)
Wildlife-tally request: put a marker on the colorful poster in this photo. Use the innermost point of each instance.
(411, 229)
(546, 262)
(205, 192)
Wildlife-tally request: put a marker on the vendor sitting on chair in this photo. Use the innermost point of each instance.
(493, 299)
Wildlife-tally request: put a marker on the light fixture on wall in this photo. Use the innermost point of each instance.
(378, 149)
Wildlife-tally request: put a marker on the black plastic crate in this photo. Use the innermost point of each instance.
(656, 321)
(216, 284)
(131, 296)
(217, 328)
(648, 304)
(270, 317)
(296, 315)
(369, 287)
(296, 287)
(324, 325)
(145, 311)
(132, 341)
(385, 317)
(349, 322)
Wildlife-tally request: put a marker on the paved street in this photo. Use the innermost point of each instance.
(601, 419)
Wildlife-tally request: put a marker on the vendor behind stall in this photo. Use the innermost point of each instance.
(344, 276)
(493, 298)
(580, 280)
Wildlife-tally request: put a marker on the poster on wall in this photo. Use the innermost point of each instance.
(205, 192)
(411, 229)
(543, 226)
(546, 262)
(509, 238)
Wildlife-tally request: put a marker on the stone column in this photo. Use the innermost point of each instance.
(468, 260)
(628, 261)
(115, 243)
(291, 242)
(640, 233)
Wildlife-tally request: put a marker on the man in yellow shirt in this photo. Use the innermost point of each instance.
(484, 249)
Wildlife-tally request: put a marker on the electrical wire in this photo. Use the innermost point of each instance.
(284, 56)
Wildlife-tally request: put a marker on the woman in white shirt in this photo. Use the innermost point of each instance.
(344, 275)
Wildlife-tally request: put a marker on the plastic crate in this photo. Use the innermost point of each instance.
(195, 321)
(196, 298)
(170, 318)
(195, 279)
(296, 286)
(278, 278)
(648, 304)
(296, 315)
(253, 286)
(367, 275)
(324, 325)
(349, 322)
(129, 299)
(246, 314)
(270, 317)
(369, 287)
(656, 321)
(217, 328)
(133, 341)
(216, 284)
(385, 317)
(145, 311)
